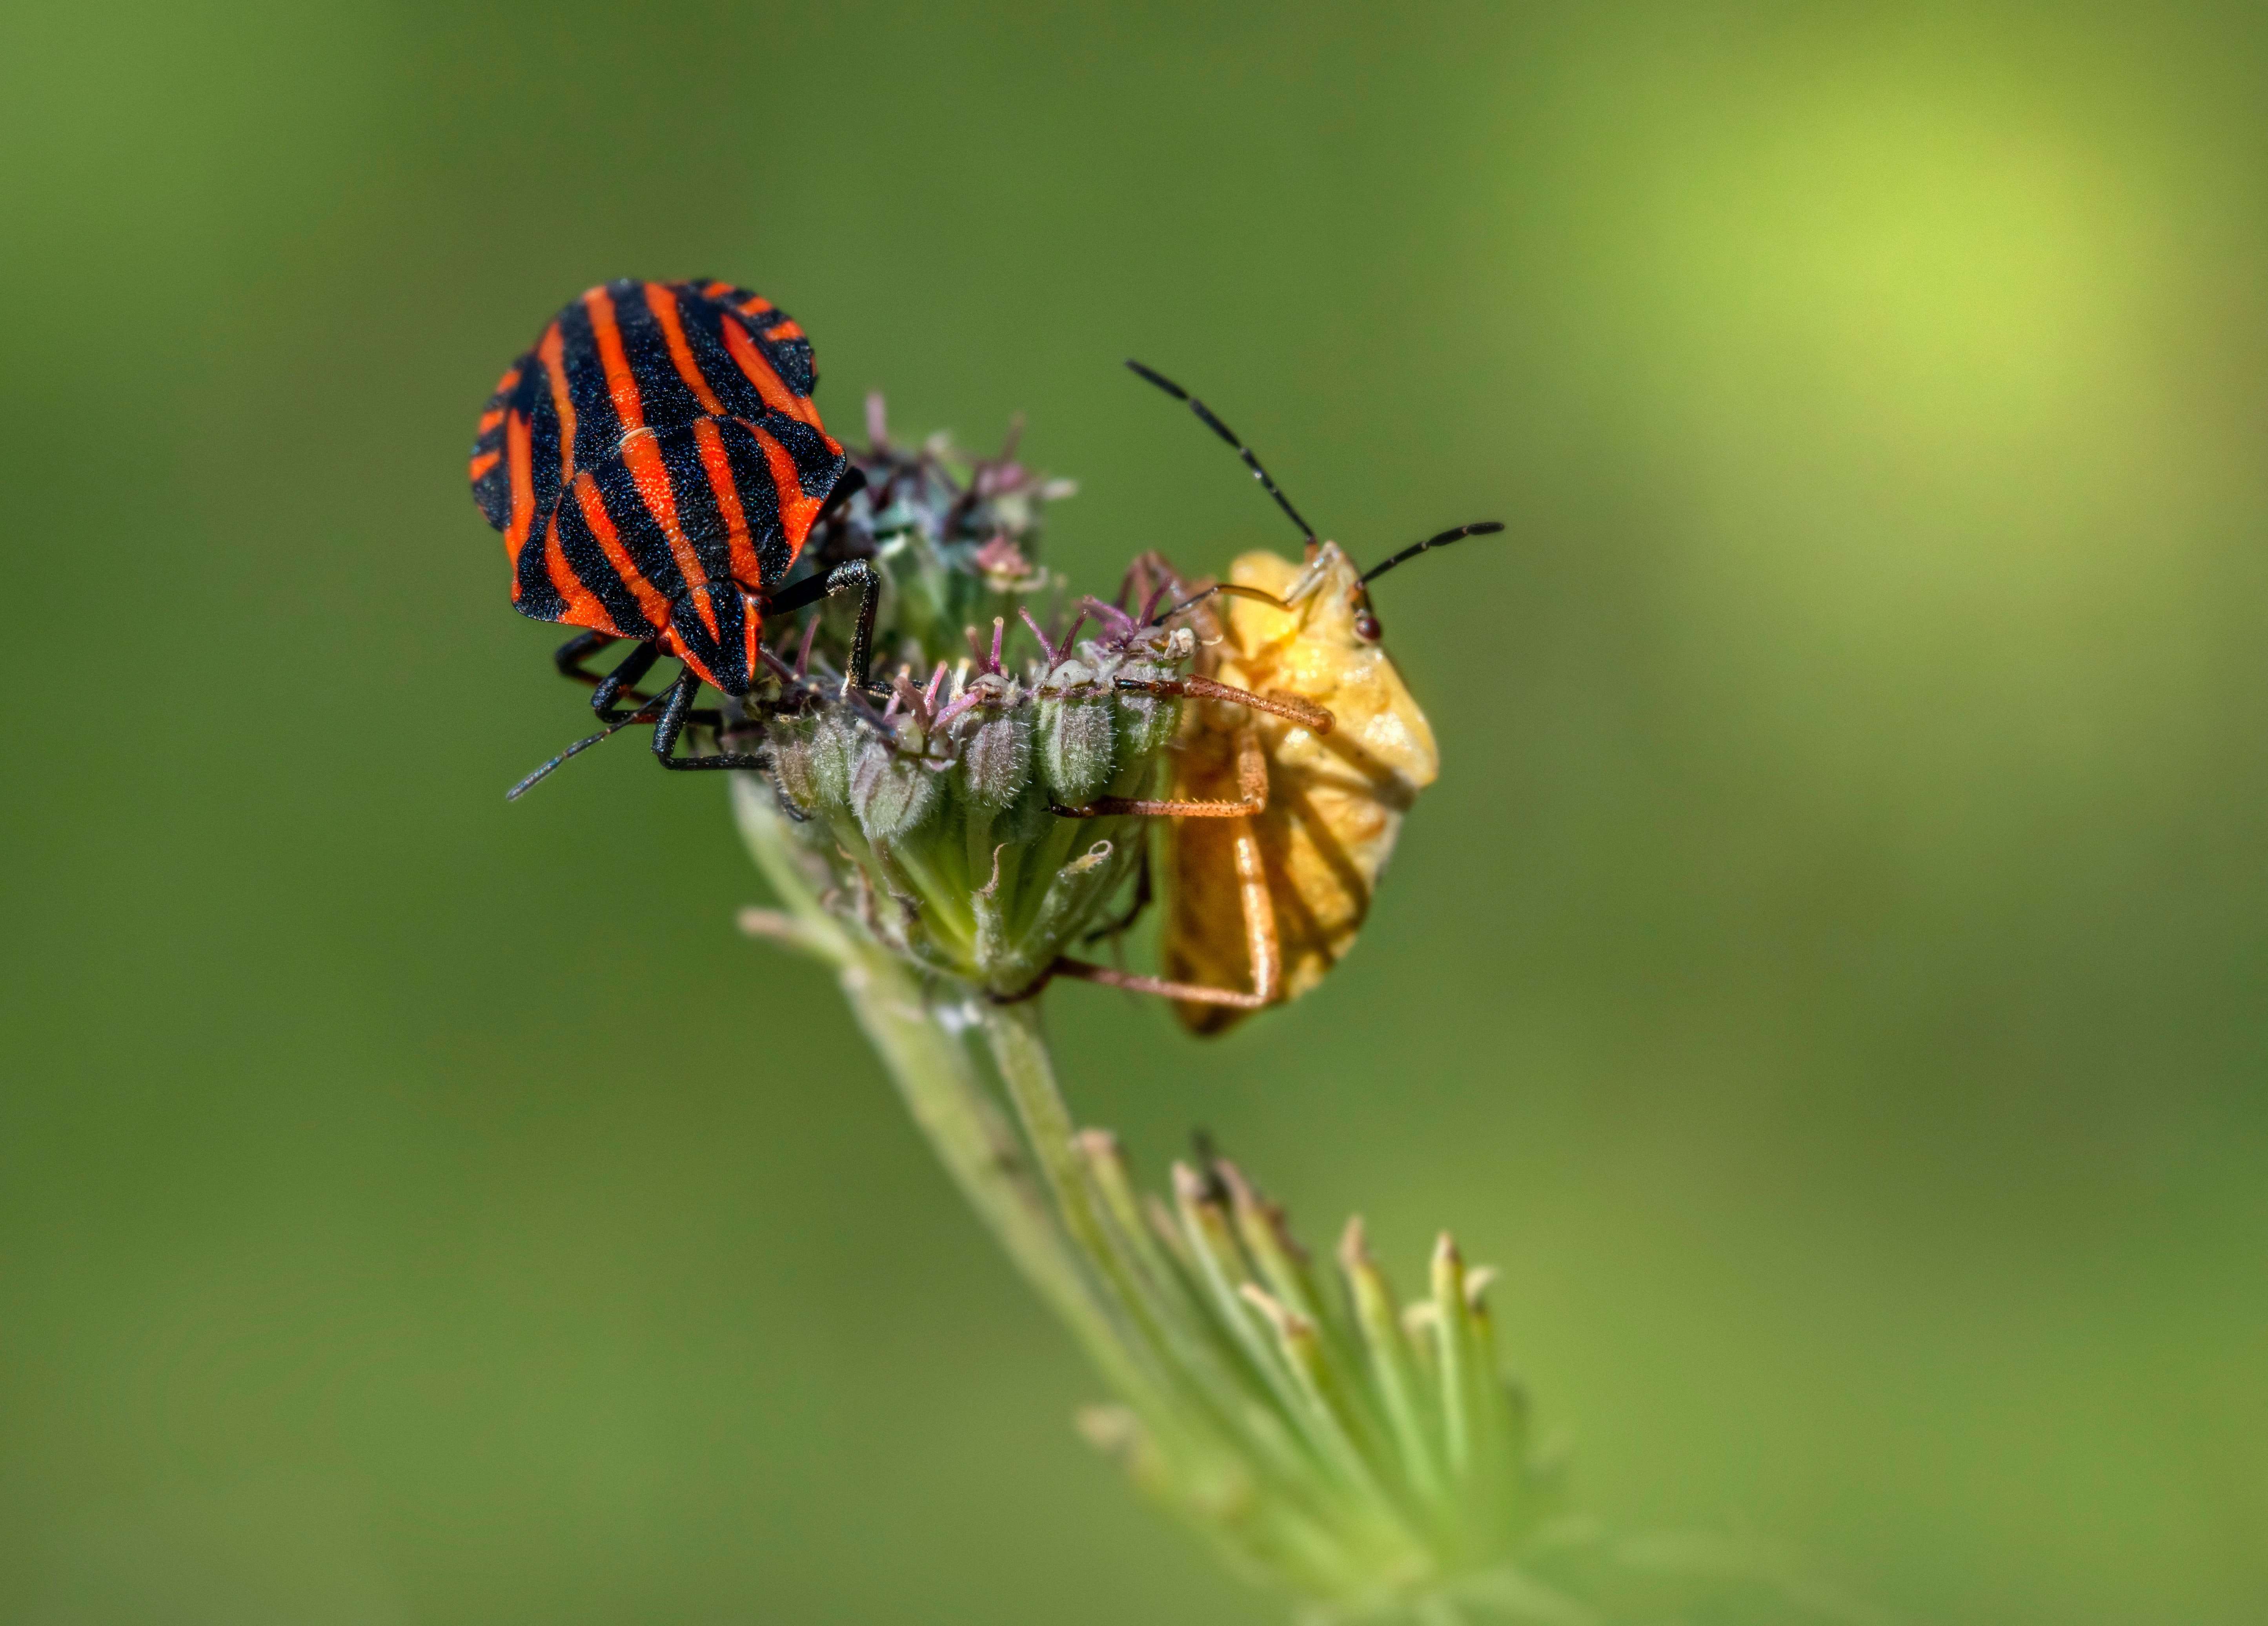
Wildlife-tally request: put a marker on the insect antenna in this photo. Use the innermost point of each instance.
(576, 749)
(1205, 417)
(1479, 528)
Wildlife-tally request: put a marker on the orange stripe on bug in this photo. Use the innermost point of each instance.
(759, 371)
(663, 304)
(641, 454)
(621, 383)
(747, 570)
(797, 512)
(516, 445)
(669, 643)
(584, 609)
(652, 605)
(551, 349)
(508, 435)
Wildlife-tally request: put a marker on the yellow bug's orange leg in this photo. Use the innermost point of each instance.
(1261, 944)
(1251, 779)
(1135, 983)
(1251, 763)
(1262, 948)
(1259, 940)
(1117, 806)
(1305, 713)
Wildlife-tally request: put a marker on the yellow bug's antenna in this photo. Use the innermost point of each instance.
(1205, 417)
(1479, 528)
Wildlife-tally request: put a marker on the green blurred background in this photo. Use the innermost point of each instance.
(1827, 977)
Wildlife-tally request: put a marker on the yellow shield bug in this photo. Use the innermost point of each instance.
(1291, 785)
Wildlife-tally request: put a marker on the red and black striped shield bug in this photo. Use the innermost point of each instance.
(655, 464)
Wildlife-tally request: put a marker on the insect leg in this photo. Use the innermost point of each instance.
(676, 711)
(1251, 781)
(855, 575)
(1135, 983)
(1234, 589)
(1261, 947)
(570, 656)
(638, 663)
(1305, 713)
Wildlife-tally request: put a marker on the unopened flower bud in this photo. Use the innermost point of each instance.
(1075, 733)
(811, 757)
(1145, 722)
(891, 792)
(996, 745)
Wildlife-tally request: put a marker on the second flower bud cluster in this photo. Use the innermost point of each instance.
(946, 816)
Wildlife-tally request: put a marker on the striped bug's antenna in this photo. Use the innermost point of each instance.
(642, 715)
(1205, 415)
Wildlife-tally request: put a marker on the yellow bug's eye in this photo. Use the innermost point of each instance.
(1366, 620)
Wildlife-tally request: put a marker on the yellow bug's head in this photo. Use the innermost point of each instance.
(1322, 601)
(1366, 620)
(1296, 630)
(1327, 595)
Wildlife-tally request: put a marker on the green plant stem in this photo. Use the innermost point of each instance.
(938, 1081)
(1019, 1050)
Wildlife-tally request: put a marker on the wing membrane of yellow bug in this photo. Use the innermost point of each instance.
(1336, 801)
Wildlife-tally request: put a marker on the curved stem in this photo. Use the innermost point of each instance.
(938, 1081)
(1019, 1050)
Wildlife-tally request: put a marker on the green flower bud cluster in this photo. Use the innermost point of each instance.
(937, 812)
(1360, 1452)
(952, 536)
(935, 804)
(1363, 1453)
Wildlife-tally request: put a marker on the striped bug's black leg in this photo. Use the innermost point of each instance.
(858, 576)
(635, 666)
(676, 712)
(569, 656)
